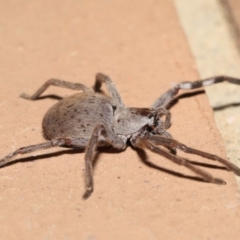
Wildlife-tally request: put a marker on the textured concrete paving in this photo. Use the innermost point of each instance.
(232, 10)
(143, 47)
(216, 52)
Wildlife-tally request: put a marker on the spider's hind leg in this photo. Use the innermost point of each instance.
(32, 148)
(58, 83)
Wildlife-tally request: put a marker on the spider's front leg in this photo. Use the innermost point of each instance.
(100, 133)
(174, 143)
(146, 143)
(164, 100)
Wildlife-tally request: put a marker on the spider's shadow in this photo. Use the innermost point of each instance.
(183, 96)
(109, 150)
(51, 96)
(219, 108)
(100, 150)
(198, 92)
(144, 158)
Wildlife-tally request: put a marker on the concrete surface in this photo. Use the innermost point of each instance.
(216, 53)
(232, 12)
(142, 46)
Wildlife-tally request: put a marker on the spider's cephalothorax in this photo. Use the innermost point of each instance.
(90, 119)
(128, 121)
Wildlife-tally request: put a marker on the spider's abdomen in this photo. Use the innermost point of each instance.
(76, 116)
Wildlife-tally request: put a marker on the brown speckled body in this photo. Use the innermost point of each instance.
(76, 116)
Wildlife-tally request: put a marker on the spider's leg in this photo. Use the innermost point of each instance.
(113, 92)
(58, 83)
(100, 133)
(33, 148)
(175, 144)
(145, 143)
(173, 150)
(168, 96)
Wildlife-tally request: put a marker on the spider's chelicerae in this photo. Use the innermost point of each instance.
(90, 119)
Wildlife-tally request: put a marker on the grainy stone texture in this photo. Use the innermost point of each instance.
(216, 53)
(232, 11)
(141, 45)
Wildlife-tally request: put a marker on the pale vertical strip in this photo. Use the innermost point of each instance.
(215, 53)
